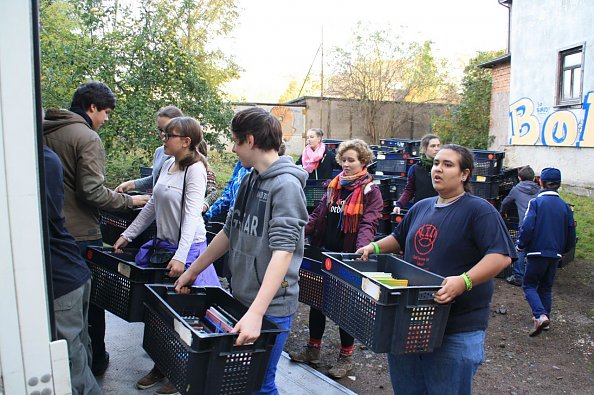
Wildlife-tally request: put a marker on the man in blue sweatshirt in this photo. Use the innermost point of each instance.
(263, 234)
(547, 233)
(520, 195)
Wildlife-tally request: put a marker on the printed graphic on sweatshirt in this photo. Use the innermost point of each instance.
(424, 241)
(336, 208)
(254, 211)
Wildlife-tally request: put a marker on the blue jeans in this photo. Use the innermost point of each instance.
(268, 385)
(519, 266)
(447, 370)
(538, 284)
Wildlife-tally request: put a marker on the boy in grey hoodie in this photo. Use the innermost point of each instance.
(263, 234)
(520, 194)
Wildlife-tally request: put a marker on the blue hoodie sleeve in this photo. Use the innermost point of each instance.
(223, 203)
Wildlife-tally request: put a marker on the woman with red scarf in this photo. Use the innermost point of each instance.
(316, 159)
(346, 219)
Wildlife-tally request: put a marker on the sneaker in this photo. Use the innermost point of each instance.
(99, 365)
(539, 324)
(342, 367)
(150, 379)
(513, 280)
(167, 389)
(309, 354)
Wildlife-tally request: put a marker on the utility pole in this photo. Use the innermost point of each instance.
(322, 83)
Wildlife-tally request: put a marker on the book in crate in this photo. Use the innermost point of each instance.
(198, 362)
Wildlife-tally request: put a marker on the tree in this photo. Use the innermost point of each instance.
(296, 89)
(155, 55)
(376, 68)
(467, 124)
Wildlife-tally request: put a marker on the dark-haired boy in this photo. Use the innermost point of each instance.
(263, 234)
(72, 135)
(547, 233)
(520, 194)
(71, 282)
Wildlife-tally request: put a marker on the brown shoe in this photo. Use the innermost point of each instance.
(167, 389)
(309, 354)
(342, 367)
(153, 377)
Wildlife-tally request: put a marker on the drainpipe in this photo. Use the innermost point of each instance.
(507, 4)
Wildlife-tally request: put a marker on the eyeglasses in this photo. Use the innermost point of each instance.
(167, 136)
(159, 129)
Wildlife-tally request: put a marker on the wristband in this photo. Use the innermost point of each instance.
(129, 240)
(467, 281)
(375, 246)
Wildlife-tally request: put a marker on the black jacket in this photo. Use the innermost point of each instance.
(324, 170)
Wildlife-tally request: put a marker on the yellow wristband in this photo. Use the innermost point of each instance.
(467, 281)
(375, 246)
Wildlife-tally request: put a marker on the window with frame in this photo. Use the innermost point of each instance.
(569, 78)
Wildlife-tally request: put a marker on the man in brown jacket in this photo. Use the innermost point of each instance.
(72, 135)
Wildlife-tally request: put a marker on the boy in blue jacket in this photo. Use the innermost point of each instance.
(548, 232)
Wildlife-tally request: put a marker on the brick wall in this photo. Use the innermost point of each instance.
(499, 119)
(500, 75)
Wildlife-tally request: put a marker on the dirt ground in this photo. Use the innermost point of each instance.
(559, 361)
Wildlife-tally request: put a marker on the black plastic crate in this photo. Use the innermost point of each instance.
(495, 186)
(332, 144)
(390, 167)
(117, 283)
(384, 183)
(486, 190)
(412, 147)
(400, 320)
(488, 163)
(311, 291)
(384, 224)
(390, 155)
(567, 258)
(212, 228)
(145, 171)
(397, 185)
(113, 224)
(198, 363)
(314, 192)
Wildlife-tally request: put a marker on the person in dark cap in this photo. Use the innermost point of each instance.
(547, 233)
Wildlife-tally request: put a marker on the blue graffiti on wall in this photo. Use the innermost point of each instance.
(560, 128)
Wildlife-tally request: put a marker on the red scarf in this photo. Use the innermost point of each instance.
(352, 209)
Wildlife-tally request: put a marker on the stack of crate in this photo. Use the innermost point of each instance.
(489, 179)
(394, 158)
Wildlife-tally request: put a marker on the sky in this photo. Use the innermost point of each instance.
(275, 41)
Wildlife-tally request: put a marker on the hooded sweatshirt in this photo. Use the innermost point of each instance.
(82, 154)
(520, 194)
(269, 215)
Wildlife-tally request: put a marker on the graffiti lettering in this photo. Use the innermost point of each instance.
(560, 128)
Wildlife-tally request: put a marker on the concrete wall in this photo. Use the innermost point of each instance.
(344, 119)
(539, 133)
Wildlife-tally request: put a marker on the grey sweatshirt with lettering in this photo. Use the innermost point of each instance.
(269, 215)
